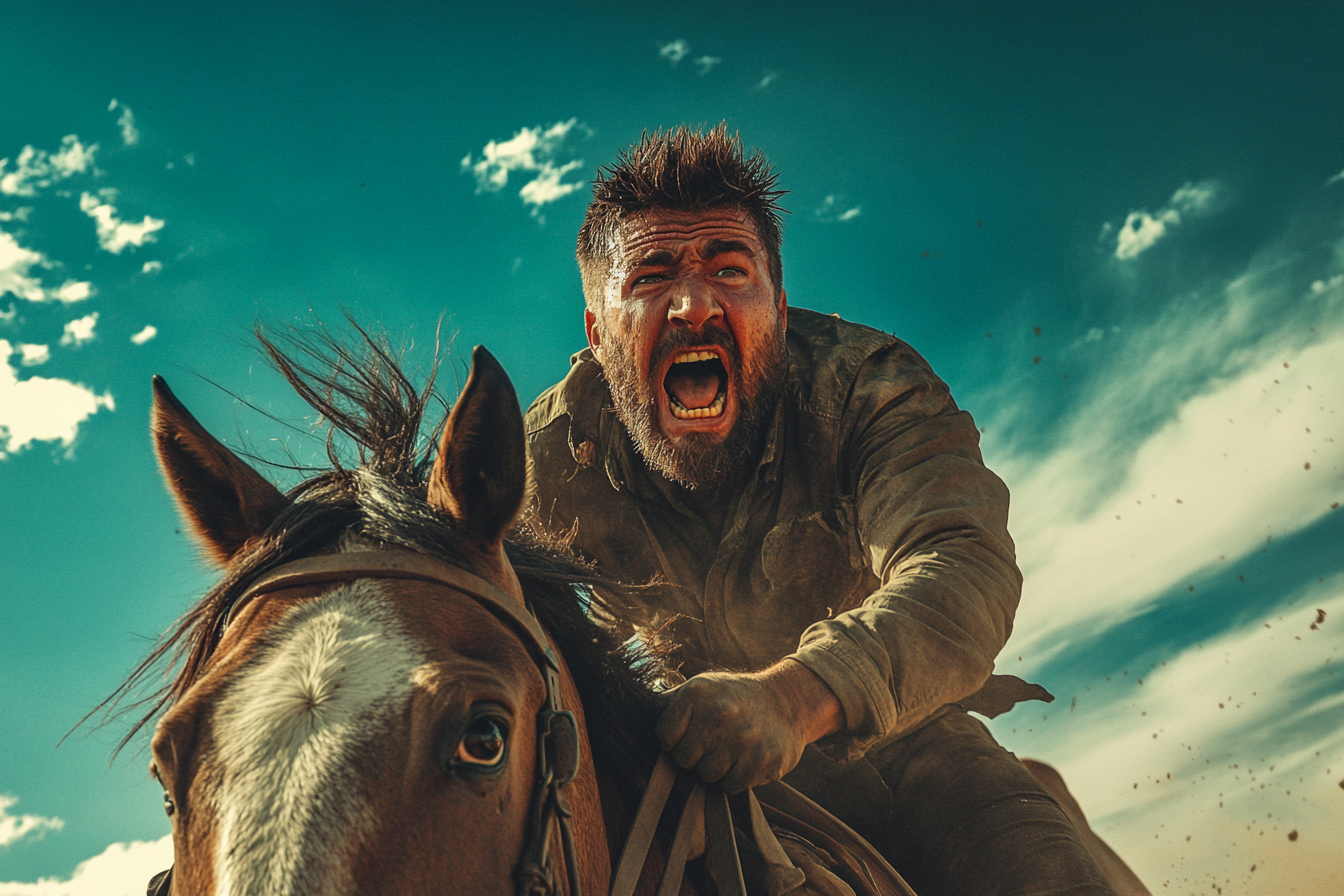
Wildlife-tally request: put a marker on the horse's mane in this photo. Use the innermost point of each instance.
(371, 404)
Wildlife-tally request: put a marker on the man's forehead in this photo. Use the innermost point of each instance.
(665, 229)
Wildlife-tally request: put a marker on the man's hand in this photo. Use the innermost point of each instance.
(747, 729)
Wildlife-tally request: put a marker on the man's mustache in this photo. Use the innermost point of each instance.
(678, 340)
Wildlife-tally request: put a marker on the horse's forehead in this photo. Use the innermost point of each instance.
(323, 684)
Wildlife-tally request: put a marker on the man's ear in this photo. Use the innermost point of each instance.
(594, 334)
(224, 500)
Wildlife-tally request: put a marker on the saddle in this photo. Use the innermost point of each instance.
(768, 842)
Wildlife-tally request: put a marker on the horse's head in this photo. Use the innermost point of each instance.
(358, 732)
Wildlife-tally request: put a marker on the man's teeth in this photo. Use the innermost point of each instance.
(689, 357)
(682, 412)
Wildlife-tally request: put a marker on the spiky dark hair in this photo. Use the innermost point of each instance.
(684, 170)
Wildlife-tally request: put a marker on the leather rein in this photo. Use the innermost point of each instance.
(557, 730)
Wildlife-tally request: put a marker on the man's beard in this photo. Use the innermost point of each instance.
(697, 459)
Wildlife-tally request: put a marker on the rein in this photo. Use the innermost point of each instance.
(557, 730)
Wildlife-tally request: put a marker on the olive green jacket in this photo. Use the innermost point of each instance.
(870, 543)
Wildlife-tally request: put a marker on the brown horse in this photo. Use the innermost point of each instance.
(367, 703)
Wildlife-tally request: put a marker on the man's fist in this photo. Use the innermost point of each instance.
(747, 729)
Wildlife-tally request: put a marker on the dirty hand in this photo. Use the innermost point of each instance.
(745, 729)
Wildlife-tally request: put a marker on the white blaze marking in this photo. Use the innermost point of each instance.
(293, 728)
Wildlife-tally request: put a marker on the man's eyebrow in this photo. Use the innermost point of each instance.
(721, 247)
(661, 258)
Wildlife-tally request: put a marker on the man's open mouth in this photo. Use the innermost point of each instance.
(697, 385)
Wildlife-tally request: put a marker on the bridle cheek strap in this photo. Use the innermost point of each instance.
(557, 729)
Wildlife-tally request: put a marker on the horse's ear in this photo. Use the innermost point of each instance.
(480, 475)
(225, 501)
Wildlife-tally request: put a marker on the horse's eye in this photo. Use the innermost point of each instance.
(483, 743)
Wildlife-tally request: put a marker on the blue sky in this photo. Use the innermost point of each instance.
(1117, 233)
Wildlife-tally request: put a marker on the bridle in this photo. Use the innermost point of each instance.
(557, 730)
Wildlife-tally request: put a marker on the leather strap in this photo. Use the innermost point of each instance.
(400, 565)
(640, 840)
(704, 827)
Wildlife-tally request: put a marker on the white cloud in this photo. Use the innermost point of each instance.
(1197, 438)
(148, 333)
(151, 267)
(80, 330)
(1141, 229)
(832, 208)
(1228, 471)
(39, 409)
(36, 169)
(115, 234)
(674, 51)
(531, 150)
(129, 135)
(1334, 179)
(33, 355)
(14, 828)
(15, 264)
(123, 869)
(546, 186)
(705, 64)
(72, 291)
(7, 316)
(767, 79)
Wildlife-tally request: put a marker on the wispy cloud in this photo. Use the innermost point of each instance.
(1142, 229)
(1194, 443)
(531, 151)
(37, 169)
(17, 264)
(148, 333)
(126, 121)
(80, 330)
(151, 267)
(674, 51)
(767, 78)
(833, 208)
(1147, 523)
(115, 234)
(39, 409)
(705, 64)
(122, 869)
(14, 828)
(1335, 178)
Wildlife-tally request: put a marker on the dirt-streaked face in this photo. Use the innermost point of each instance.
(690, 336)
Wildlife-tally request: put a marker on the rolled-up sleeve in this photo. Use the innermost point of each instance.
(934, 523)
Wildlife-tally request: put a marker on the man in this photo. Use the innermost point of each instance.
(839, 563)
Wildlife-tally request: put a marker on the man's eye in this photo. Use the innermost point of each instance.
(650, 278)
(731, 272)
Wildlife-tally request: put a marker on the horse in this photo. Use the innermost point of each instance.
(384, 694)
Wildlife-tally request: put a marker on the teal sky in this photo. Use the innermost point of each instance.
(1118, 233)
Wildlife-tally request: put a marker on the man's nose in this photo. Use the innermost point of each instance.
(692, 305)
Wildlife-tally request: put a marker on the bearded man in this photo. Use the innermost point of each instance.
(840, 569)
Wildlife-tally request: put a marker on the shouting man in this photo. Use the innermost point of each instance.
(839, 565)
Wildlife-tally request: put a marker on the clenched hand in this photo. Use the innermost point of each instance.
(745, 729)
